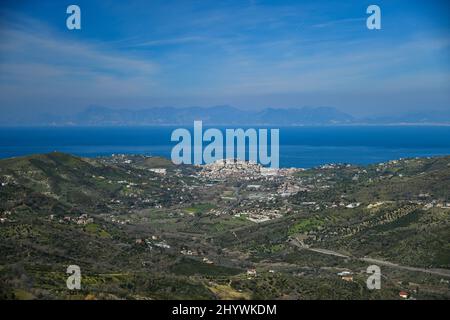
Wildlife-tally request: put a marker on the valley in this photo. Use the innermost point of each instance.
(141, 227)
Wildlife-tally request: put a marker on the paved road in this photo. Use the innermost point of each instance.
(328, 252)
(440, 272)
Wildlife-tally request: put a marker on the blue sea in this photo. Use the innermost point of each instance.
(301, 147)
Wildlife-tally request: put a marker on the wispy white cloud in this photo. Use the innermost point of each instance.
(334, 23)
(37, 64)
(172, 41)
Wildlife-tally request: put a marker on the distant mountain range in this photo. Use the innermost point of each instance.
(218, 115)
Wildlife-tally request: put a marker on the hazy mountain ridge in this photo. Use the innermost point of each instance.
(217, 115)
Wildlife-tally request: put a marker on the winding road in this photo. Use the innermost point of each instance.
(439, 272)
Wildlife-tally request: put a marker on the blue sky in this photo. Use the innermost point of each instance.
(248, 54)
